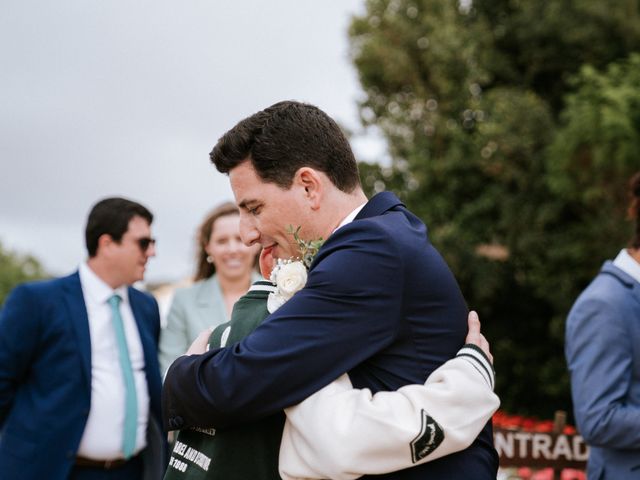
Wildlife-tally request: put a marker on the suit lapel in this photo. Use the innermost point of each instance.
(636, 295)
(149, 348)
(79, 319)
(209, 299)
(142, 331)
(624, 278)
(379, 204)
(209, 294)
(155, 453)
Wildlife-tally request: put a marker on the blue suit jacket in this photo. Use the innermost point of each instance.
(379, 303)
(45, 378)
(602, 347)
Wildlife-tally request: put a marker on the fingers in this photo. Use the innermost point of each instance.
(199, 345)
(475, 335)
(474, 323)
(484, 345)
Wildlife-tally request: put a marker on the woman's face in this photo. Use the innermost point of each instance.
(231, 257)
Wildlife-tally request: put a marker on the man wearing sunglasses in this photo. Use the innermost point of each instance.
(79, 377)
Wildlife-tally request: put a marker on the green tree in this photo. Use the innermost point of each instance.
(595, 151)
(15, 269)
(539, 45)
(470, 99)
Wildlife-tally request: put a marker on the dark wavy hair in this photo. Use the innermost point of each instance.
(285, 137)
(111, 216)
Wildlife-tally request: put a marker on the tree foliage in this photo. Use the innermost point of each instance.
(15, 269)
(513, 127)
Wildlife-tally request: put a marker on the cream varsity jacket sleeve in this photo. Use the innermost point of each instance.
(343, 433)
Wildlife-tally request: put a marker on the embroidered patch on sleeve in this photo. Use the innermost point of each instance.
(429, 438)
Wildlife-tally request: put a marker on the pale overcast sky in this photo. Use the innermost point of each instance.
(101, 98)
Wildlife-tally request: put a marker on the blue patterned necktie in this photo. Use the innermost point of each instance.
(131, 402)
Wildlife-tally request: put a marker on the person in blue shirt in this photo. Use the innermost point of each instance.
(602, 348)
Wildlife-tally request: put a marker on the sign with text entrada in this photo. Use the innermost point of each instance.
(518, 448)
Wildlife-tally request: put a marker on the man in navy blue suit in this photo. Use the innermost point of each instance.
(79, 377)
(380, 303)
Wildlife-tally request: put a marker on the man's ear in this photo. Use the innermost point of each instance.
(105, 242)
(311, 181)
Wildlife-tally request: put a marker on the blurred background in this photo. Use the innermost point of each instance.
(509, 126)
(114, 98)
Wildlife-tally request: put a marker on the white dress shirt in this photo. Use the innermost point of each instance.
(351, 217)
(628, 264)
(103, 433)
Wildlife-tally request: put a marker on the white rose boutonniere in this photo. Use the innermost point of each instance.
(290, 276)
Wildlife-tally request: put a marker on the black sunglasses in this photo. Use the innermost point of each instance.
(145, 242)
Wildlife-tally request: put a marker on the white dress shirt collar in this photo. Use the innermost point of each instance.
(97, 289)
(349, 218)
(628, 264)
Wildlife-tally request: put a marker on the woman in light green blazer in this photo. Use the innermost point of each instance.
(225, 271)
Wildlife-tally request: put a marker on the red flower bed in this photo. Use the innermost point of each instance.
(505, 421)
(528, 424)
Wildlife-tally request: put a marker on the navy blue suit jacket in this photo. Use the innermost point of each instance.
(379, 303)
(45, 377)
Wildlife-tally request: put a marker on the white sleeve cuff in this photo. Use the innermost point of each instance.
(474, 355)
